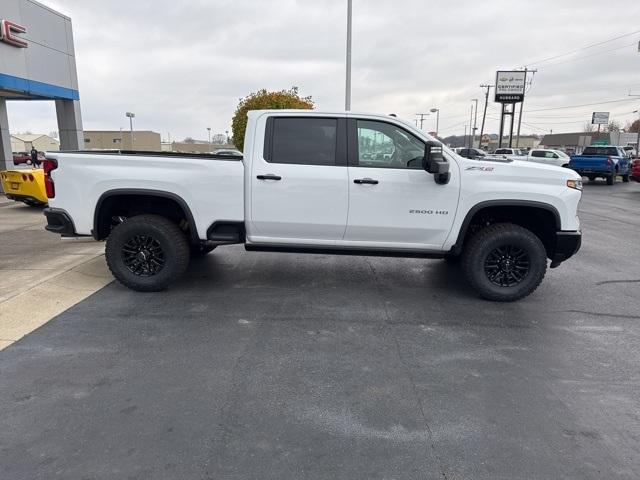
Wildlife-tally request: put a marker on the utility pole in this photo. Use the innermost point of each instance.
(209, 132)
(422, 115)
(475, 122)
(347, 95)
(484, 114)
(522, 104)
(470, 129)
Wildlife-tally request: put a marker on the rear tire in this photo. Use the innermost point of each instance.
(504, 262)
(611, 179)
(625, 178)
(147, 252)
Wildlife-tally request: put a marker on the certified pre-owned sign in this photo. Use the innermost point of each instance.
(510, 86)
(9, 33)
(600, 118)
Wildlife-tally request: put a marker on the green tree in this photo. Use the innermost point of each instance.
(264, 100)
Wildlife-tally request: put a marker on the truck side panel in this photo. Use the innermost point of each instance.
(213, 189)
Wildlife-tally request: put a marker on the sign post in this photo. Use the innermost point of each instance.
(509, 89)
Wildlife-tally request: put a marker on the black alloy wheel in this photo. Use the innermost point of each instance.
(143, 255)
(507, 266)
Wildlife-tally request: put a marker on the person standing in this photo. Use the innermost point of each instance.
(34, 157)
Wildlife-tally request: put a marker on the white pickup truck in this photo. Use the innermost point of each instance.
(547, 156)
(317, 182)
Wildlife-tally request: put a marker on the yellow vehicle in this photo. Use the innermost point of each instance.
(25, 186)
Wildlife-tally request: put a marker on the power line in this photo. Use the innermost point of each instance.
(582, 105)
(582, 48)
(589, 56)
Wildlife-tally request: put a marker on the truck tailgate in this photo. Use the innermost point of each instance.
(589, 163)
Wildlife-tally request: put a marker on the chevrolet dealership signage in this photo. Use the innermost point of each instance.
(510, 86)
(9, 33)
(600, 118)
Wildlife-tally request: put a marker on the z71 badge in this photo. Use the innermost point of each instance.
(482, 169)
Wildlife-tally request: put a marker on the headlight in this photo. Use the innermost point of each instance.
(577, 184)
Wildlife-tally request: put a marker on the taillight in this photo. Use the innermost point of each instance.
(48, 166)
(609, 161)
(30, 178)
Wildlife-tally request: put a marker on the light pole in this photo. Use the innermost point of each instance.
(209, 132)
(475, 120)
(437, 112)
(226, 137)
(347, 94)
(131, 116)
(638, 137)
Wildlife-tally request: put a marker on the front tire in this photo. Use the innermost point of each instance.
(504, 262)
(147, 252)
(625, 178)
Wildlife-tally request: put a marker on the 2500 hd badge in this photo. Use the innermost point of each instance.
(430, 212)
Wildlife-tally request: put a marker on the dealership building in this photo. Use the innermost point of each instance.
(37, 62)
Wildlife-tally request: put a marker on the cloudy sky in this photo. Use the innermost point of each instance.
(182, 66)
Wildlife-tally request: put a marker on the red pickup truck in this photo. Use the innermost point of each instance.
(635, 170)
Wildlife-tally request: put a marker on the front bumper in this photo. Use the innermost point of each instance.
(567, 245)
(59, 221)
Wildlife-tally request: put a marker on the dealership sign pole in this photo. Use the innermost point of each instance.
(509, 89)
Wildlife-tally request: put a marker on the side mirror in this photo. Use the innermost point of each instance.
(435, 163)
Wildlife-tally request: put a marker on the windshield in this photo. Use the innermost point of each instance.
(605, 151)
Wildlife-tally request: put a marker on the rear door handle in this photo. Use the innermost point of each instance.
(269, 176)
(369, 181)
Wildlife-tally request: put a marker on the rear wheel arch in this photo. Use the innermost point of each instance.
(147, 201)
(541, 218)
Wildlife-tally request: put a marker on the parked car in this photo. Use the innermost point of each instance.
(302, 186)
(25, 186)
(635, 170)
(548, 157)
(472, 153)
(24, 158)
(232, 152)
(509, 153)
(606, 162)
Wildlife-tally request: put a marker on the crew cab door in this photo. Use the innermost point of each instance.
(393, 202)
(299, 182)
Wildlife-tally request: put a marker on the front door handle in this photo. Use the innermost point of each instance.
(369, 181)
(269, 176)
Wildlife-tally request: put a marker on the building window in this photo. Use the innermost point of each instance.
(117, 140)
(87, 140)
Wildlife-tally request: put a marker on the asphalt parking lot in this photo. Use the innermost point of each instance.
(268, 366)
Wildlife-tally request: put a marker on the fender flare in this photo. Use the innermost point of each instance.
(151, 193)
(456, 249)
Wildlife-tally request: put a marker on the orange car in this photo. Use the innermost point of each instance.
(25, 186)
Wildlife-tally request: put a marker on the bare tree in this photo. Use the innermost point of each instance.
(614, 126)
(588, 127)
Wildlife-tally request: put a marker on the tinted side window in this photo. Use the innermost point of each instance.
(502, 151)
(537, 153)
(305, 141)
(383, 145)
